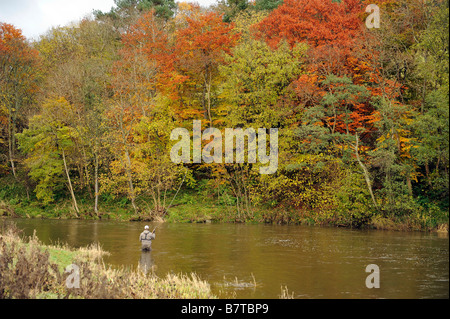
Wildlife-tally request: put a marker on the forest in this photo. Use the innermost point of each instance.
(87, 110)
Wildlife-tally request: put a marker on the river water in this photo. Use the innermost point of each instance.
(258, 261)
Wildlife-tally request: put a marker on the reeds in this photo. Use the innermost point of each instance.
(285, 293)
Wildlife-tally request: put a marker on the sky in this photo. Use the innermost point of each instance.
(35, 17)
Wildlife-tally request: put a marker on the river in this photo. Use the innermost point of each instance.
(258, 261)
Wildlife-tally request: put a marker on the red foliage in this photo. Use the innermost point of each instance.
(317, 22)
(16, 53)
(200, 47)
(339, 44)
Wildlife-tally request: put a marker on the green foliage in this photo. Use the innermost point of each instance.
(163, 8)
(303, 184)
(233, 8)
(257, 83)
(43, 142)
(354, 207)
(267, 4)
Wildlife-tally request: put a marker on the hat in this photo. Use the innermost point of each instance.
(146, 227)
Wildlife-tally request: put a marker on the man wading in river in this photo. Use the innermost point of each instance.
(146, 238)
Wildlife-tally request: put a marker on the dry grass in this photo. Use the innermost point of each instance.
(442, 228)
(379, 222)
(285, 293)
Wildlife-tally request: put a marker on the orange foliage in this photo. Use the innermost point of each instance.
(339, 44)
(200, 44)
(15, 52)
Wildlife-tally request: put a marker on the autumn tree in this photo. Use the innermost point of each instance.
(200, 47)
(323, 25)
(123, 115)
(430, 127)
(139, 119)
(77, 64)
(19, 78)
(134, 92)
(256, 93)
(49, 145)
(335, 35)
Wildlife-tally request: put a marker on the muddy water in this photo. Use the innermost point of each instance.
(257, 261)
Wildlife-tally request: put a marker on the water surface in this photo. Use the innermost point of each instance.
(257, 261)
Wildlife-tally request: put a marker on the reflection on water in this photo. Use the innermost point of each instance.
(146, 263)
(256, 261)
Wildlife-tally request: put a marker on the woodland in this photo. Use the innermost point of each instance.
(86, 113)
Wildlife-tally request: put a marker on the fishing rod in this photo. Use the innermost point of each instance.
(165, 211)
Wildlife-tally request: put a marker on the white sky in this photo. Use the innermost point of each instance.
(35, 17)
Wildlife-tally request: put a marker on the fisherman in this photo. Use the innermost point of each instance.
(146, 238)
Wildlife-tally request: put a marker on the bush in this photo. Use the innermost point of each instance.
(25, 271)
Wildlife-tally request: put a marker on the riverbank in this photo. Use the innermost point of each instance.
(30, 269)
(194, 206)
(209, 212)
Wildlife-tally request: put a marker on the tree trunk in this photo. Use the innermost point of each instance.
(130, 181)
(70, 185)
(427, 173)
(365, 172)
(96, 184)
(11, 159)
(208, 93)
(11, 141)
(409, 183)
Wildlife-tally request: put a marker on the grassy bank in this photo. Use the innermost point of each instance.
(29, 269)
(199, 213)
(205, 212)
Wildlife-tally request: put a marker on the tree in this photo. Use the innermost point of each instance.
(267, 4)
(412, 64)
(160, 175)
(127, 9)
(430, 128)
(147, 57)
(199, 50)
(256, 93)
(136, 79)
(232, 8)
(77, 64)
(321, 24)
(19, 78)
(339, 122)
(432, 147)
(337, 47)
(123, 116)
(49, 145)
(257, 85)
